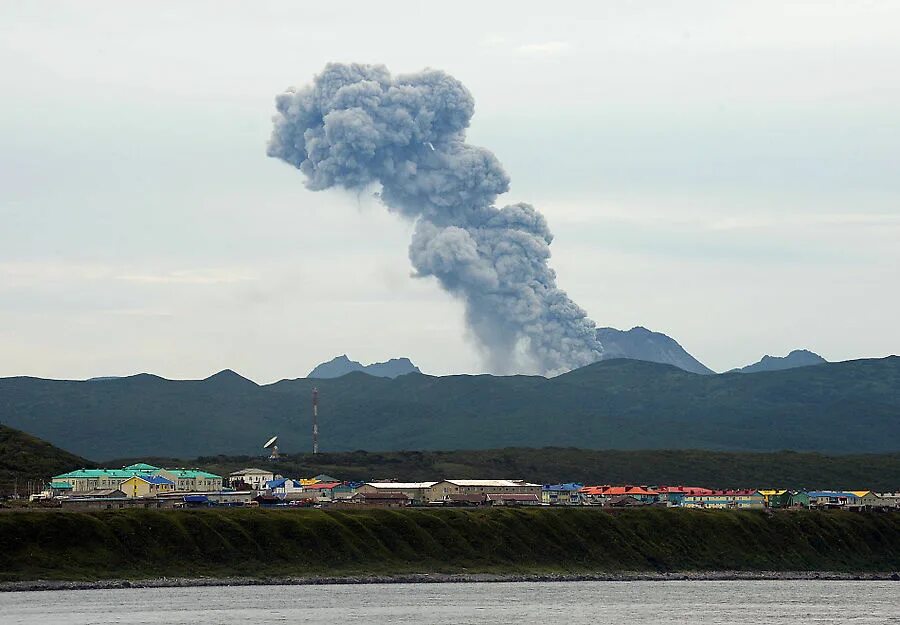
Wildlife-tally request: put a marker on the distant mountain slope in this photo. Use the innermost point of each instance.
(797, 358)
(341, 365)
(552, 465)
(26, 458)
(639, 343)
(846, 407)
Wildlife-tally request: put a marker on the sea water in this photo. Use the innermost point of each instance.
(571, 603)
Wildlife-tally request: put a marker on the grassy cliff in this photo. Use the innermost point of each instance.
(144, 543)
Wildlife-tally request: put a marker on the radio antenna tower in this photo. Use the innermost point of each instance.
(315, 399)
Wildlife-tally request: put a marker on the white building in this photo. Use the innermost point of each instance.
(417, 492)
(254, 478)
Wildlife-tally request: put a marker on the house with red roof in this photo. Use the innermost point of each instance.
(673, 496)
(600, 495)
(743, 499)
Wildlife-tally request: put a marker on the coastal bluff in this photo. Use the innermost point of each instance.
(143, 544)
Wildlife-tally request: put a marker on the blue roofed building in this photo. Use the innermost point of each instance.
(141, 485)
(283, 487)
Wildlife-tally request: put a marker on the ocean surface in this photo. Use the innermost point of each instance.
(571, 603)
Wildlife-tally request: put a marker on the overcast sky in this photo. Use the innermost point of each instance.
(723, 172)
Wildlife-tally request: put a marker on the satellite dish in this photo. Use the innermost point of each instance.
(271, 442)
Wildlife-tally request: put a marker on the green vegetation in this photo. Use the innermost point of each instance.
(145, 543)
(785, 469)
(24, 459)
(848, 407)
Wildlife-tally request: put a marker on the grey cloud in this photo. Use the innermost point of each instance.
(357, 126)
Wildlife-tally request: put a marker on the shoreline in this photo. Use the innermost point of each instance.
(446, 578)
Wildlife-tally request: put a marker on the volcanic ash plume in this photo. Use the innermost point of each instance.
(357, 127)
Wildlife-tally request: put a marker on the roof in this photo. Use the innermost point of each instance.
(322, 486)
(473, 497)
(683, 490)
(740, 492)
(323, 477)
(98, 492)
(400, 485)
(829, 493)
(626, 500)
(388, 495)
(281, 482)
(512, 497)
(571, 486)
(491, 483)
(251, 471)
(152, 479)
(96, 474)
(60, 485)
(616, 491)
(141, 466)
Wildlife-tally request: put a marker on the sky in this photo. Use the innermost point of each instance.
(725, 173)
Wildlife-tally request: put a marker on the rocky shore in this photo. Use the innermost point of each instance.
(441, 578)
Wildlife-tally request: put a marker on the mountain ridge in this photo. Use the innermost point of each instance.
(626, 404)
(342, 365)
(796, 358)
(640, 343)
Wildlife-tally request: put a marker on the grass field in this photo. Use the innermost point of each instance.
(135, 544)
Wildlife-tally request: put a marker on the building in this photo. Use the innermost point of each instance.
(251, 478)
(192, 480)
(108, 499)
(59, 489)
(889, 500)
(381, 499)
(673, 496)
(441, 490)
(418, 493)
(827, 499)
(321, 491)
(146, 486)
(84, 480)
(776, 498)
(512, 499)
(599, 495)
(562, 494)
(736, 499)
(283, 487)
(865, 500)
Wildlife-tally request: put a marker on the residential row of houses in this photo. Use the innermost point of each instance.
(145, 484)
(701, 497)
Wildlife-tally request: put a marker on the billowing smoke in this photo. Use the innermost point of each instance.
(357, 127)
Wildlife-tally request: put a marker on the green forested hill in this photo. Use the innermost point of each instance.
(24, 459)
(848, 407)
(717, 469)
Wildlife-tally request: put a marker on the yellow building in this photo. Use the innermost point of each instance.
(146, 486)
(866, 499)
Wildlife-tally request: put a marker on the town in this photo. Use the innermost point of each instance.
(143, 485)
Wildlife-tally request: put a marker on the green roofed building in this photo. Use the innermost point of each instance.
(142, 467)
(84, 480)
